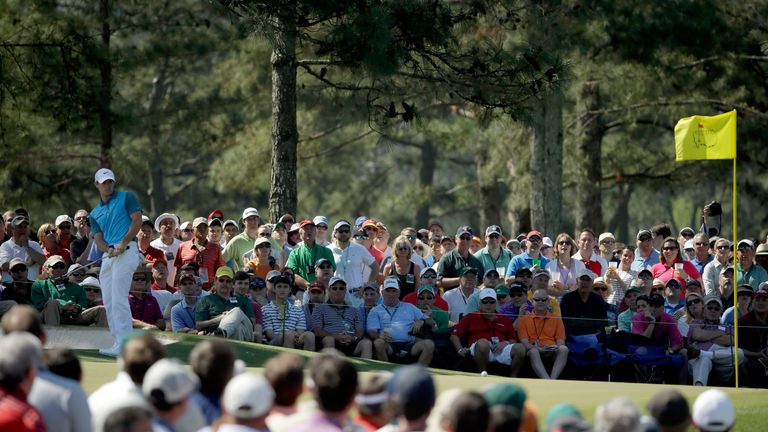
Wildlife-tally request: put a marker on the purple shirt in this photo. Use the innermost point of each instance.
(703, 325)
(319, 422)
(511, 311)
(145, 308)
(665, 331)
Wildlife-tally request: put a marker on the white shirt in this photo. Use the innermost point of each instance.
(169, 251)
(457, 302)
(353, 264)
(594, 257)
(10, 250)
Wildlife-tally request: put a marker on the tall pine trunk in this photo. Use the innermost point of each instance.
(546, 164)
(283, 185)
(426, 178)
(589, 209)
(105, 90)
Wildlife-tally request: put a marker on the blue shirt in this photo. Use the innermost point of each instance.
(183, 315)
(113, 218)
(397, 320)
(641, 263)
(524, 261)
(701, 264)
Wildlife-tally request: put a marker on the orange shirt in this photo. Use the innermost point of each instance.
(546, 330)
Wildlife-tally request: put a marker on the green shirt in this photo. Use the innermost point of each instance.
(214, 305)
(44, 290)
(499, 264)
(302, 260)
(754, 277)
(236, 248)
(440, 317)
(451, 264)
(625, 321)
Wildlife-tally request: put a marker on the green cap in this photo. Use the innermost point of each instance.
(506, 394)
(426, 288)
(560, 411)
(502, 289)
(633, 288)
(466, 270)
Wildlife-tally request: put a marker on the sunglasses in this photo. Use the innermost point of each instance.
(81, 218)
(187, 230)
(19, 269)
(465, 238)
(644, 238)
(534, 240)
(700, 244)
(600, 288)
(324, 266)
(501, 296)
(50, 231)
(404, 248)
(607, 242)
(488, 301)
(494, 236)
(337, 288)
(343, 231)
(744, 248)
(322, 227)
(692, 302)
(429, 276)
(59, 266)
(89, 289)
(78, 274)
(418, 248)
(723, 247)
(660, 289)
(409, 236)
(669, 248)
(674, 286)
(65, 227)
(564, 243)
(540, 299)
(714, 308)
(426, 297)
(139, 279)
(361, 237)
(263, 246)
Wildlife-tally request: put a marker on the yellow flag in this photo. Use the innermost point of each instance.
(703, 137)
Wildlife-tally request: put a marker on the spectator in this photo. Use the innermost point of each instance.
(50, 242)
(402, 267)
(753, 338)
(242, 283)
(519, 304)
(370, 300)
(701, 249)
(725, 287)
(393, 324)
(285, 323)
(607, 244)
(506, 403)
(262, 261)
(453, 262)
(82, 242)
(186, 233)
(617, 415)
(715, 342)
(645, 254)
(183, 312)
(20, 246)
(546, 248)
(712, 270)
(353, 262)
(61, 301)
(145, 310)
(428, 277)
(63, 362)
(624, 320)
(285, 373)
(457, 299)
(224, 313)
(19, 288)
(469, 413)
(621, 277)
(166, 225)
(411, 394)
(338, 325)
(562, 265)
(231, 229)
(168, 387)
(303, 258)
(144, 240)
(744, 296)
(246, 402)
(490, 280)
(213, 362)
(673, 300)
(243, 242)
(215, 228)
(491, 337)
(493, 256)
(437, 322)
(334, 382)
(583, 311)
(160, 277)
(749, 273)
(657, 326)
(713, 412)
(207, 255)
(671, 411)
(532, 257)
(587, 255)
(666, 269)
(61, 401)
(694, 309)
(542, 333)
(20, 355)
(373, 412)
(135, 416)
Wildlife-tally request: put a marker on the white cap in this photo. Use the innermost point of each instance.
(53, 260)
(336, 279)
(250, 211)
(247, 396)
(487, 292)
(103, 175)
(60, 219)
(317, 220)
(169, 381)
(585, 272)
(106, 407)
(185, 225)
(74, 267)
(90, 281)
(606, 235)
(745, 242)
(391, 282)
(546, 241)
(600, 280)
(425, 270)
(230, 222)
(713, 411)
(261, 240)
(688, 244)
(163, 217)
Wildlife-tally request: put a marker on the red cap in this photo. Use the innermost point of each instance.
(306, 222)
(216, 214)
(316, 286)
(369, 222)
(533, 233)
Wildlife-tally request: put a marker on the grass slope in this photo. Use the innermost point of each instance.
(751, 404)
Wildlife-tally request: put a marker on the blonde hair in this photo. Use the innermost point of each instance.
(560, 237)
(401, 241)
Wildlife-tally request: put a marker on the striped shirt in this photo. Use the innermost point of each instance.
(291, 320)
(337, 319)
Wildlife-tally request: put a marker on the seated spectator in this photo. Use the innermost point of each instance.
(601, 287)
(583, 311)
(490, 337)
(224, 313)
(437, 322)
(242, 283)
(715, 342)
(145, 309)
(393, 324)
(427, 276)
(19, 288)
(519, 305)
(285, 373)
(76, 273)
(624, 320)
(370, 300)
(744, 295)
(543, 335)
(49, 240)
(338, 325)
(20, 356)
(540, 279)
(673, 300)
(262, 261)
(694, 309)
(183, 312)
(658, 329)
(753, 339)
(285, 323)
(92, 288)
(160, 276)
(61, 301)
(490, 280)
(457, 298)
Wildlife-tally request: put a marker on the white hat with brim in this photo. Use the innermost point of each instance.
(164, 217)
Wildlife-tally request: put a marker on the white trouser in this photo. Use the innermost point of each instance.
(721, 360)
(237, 325)
(115, 278)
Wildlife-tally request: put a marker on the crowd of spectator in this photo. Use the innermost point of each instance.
(658, 310)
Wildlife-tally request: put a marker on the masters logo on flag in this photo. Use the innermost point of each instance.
(702, 137)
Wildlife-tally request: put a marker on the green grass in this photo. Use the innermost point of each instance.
(751, 404)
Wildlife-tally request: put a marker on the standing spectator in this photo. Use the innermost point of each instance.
(160, 277)
(607, 243)
(20, 246)
(115, 222)
(353, 263)
(145, 310)
(586, 253)
(645, 254)
(144, 241)
(748, 272)
(402, 267)
(713, 412)
(451, 265)
(243, 242)
(49, 240)
(166, 225)
(82, 242)
(231, 229)
(665, 269)
(20, 355)
(168, 387)
(532, 257)
(262, 261)
(753, 338)
(303, 258)
(64, 231)
(334, 386)
(711, 274)
(564, 265)
(622, 276)
(543, 335)
(224, 313)
(701, 249)
(207, 255)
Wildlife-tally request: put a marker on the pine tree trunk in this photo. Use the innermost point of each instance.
(426, 177)
(489, 193)
(589, 209)
(156, 165)
(546, 164)
(105, 99)
(283, 185)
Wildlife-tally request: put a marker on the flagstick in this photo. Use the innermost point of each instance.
(736, 279)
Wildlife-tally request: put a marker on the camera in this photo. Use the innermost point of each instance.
(715, 209)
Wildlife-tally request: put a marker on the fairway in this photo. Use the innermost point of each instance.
(751, 404)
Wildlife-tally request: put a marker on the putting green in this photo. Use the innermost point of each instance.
(751, 404)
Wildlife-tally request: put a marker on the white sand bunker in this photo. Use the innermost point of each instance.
(79, 337)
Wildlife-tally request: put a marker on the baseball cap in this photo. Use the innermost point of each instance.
(187, 277)
(359, 221)
(146, 221)
(606, 235)
(680, 282)
(247, 396)
(669, 408)
(320, 220)
(713, 299)
(224, 271)
(561, 413)
(260, 241)
(15, 262)
(762, 249)
(599, 281)
(60, 219)
(273, 274)
(713, 411)
(546, 242)
(434, 223)
(633, 288)
(199, 221)
(643, 232)
(164, 217)
(282, 279)
(447, 239)
(369, 223)
(18, 220)
(103, 175)
(517, 286)
(541, 272)
(727, 268)
(688, 244)
(391, 282)
(658, 283)
(371, 285)
(321, 261)
(687, 230)
(487, 292)
(490, 271)
(466, 270)
(533, 233)
(426, 270)
(168, 381)
(645, 271)
(502, 289)
(256, 283)
(53, 260)
(232, 222)
(493, 229)
(337, 279)
(512, 242)
(745, 242)
(426, 288)
(214, 221)
(185, 225)
(745, 288)
(316, 286)
(91, 282)
(506, 394)
(763, 291)
(412, 386)
(294, 228)
(306, 223)
(583, 271)
(250, 211)
(216, 214)
(524, 271)
(341, 223)
(464, 230)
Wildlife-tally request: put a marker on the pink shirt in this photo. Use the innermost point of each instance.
(664, 333)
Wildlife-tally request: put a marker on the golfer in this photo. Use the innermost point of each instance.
(115, 222)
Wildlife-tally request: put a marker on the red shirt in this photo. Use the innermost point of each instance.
(413, 298)
(145, 308)
(377, 254)
(18, 415)
(208, 257)
(477, 326)
(152, 254)
(64, 253)
(156, 287)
